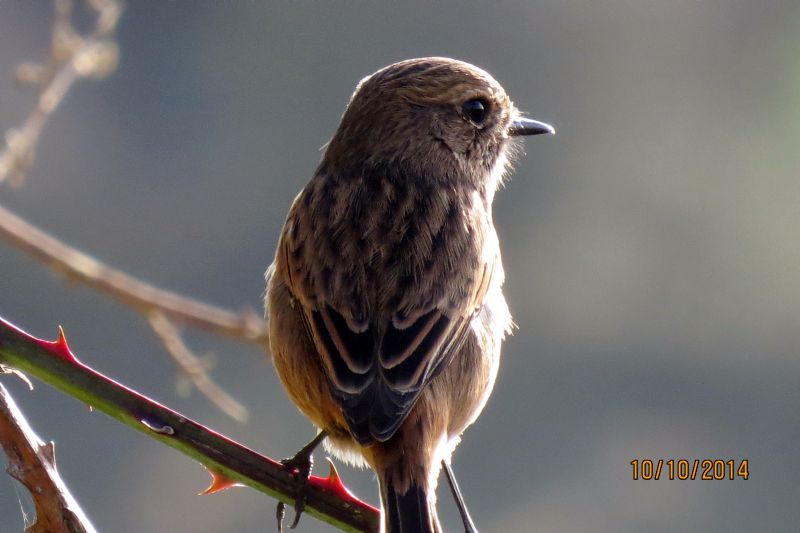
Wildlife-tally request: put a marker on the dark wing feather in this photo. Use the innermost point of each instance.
(376, 397)
(377, 375)
(405, 353)
(433, 354)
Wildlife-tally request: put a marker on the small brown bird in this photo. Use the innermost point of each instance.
(384, 301)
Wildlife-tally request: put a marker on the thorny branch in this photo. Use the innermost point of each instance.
(95, 55)
(230, 463)
(33, 463)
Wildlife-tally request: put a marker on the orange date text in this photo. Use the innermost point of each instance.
(703, 469)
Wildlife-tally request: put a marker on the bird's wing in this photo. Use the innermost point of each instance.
(377, 374)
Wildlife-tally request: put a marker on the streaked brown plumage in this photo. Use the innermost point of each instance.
(384, 301)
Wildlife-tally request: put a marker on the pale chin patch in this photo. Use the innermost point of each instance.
(497, 175)
(503, 165)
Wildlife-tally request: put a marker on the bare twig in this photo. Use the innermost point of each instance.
(145, 298)
(32, 463)
(230, 462)
(95, 55)
(142, 296)
(72, 56)
(193, 368)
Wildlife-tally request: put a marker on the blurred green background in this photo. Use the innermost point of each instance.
(651, 247)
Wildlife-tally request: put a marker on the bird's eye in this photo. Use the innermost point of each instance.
(476, 110)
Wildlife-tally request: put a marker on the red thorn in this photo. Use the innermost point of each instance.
(58, 347)
(61, 348)
(333, 475)
(219, 482)
(333, 483)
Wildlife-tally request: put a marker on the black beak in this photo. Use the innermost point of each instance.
(527, 126)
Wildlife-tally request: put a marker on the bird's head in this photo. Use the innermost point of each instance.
(434, 117)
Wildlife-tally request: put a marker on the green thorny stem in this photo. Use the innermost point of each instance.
(228, 462)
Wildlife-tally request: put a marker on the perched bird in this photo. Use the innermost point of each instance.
(384, 300)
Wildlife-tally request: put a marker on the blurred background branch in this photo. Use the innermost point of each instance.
(95, 55)
(72, 56)
(193, 368)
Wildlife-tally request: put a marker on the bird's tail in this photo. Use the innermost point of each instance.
(412, 511)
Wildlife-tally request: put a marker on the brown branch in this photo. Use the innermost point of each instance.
(32, 463)
(193, 368)
(230, 462)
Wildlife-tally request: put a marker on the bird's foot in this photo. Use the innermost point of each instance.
(300, 467)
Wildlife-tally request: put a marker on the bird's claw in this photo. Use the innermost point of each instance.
(299, 466)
